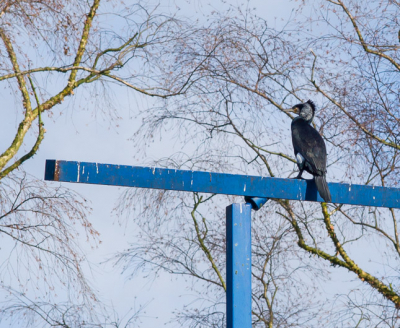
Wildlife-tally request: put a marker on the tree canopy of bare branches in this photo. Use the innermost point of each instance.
(52, 51)
(344, 55)
(221, 86)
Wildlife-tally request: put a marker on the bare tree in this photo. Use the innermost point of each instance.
(344, 56)
(20, 310)
(52, 50)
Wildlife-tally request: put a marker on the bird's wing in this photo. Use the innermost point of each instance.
(309, 143)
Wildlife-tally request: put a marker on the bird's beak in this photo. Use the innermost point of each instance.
(291, 110)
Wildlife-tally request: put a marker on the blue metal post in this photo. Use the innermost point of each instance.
(238, 266)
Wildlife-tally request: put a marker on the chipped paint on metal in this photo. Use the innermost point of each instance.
(218, 183)
(56, 171)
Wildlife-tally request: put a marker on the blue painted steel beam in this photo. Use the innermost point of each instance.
(238, 266)
(217, 183)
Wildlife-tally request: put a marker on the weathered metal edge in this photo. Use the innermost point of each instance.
(52, 170)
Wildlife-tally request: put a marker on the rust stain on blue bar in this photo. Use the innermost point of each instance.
(217, 183)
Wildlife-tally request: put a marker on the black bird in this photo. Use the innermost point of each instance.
(309, 147)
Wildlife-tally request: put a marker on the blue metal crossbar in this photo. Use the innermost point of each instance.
(217, 183)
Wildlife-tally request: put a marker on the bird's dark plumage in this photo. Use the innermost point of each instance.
(309, 147)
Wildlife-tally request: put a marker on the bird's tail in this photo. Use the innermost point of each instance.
(322, 188)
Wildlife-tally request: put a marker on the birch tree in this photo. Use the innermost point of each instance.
(344, 55)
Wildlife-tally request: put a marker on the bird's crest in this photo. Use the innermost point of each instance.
(311, 103)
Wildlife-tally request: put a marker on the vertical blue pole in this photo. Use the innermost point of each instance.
(238, 266)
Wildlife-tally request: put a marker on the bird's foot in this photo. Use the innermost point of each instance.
(299, 177)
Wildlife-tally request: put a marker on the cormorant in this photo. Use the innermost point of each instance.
(309, 147)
